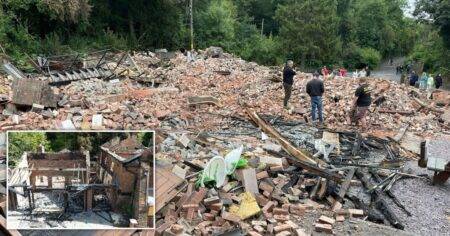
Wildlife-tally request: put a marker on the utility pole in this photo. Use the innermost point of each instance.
(191, 24)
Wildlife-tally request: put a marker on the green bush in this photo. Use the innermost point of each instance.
(356, 57)
(370, 57)
(263, 50)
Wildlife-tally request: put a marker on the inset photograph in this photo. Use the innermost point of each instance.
(80, 180)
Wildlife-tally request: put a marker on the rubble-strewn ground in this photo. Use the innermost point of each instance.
(127, 104)
(84, 220)
(190, 135)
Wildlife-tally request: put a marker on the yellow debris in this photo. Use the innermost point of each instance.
(248, 207)
(234, 209)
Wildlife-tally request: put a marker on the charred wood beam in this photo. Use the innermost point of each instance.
(396, 112)
(380, 204)
(391, 194)
(346, 184)
(312, 169)
(372, 214)
(287, 146)
(357, 145)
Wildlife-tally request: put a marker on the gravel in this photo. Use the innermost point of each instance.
(428, 204)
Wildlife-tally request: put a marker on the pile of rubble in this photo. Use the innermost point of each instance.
(292, 177)
(278, 191)
(206, 94)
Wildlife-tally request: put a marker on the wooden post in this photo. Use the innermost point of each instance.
(50, 181)
(88, 200)
(33, 180)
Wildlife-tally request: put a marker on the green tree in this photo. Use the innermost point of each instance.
(309, 31)
(215, 26)
(20, 142)
(438, 13)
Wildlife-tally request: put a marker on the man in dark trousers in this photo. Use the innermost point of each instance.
(414, 79)
(438, 81)
(288, 81)
(315, 89)
(367, 71)
(362, 102)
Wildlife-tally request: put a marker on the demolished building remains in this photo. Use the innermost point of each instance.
(291, 178)
(120, 177)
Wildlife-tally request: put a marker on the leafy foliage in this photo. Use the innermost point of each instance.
(20, 142)
(433, 43)
(312, 32)
(438, 13)
(309, 30)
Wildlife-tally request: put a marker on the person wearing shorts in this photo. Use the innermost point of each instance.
(362, 102)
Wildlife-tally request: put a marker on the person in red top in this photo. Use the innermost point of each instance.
(343, 71)
(325, 72)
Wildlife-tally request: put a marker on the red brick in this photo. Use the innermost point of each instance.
(191, 213)
(216, 206)
(268, 207)
(282, 227)
(211, 200)
(336, 206)
(186, 206)
(262, 175)
(340, 218)
(267, 215)
(261, 200)
(297, 210)
(323, 228)
(198, 196)
(326, 219)
(276, 168)
(280, 211)
(231, 217)
(265, 186)
(281, 217)
(208, 216)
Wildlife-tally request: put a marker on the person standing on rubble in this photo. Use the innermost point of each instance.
(362, 73)
(438, 81)
(414, 79)
(315, 90)
(362, 101)
(288, 81)
(430, 85)
(367, 71)
(325, 72)
(423, 81)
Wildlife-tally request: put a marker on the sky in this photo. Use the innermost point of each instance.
(410, 8)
